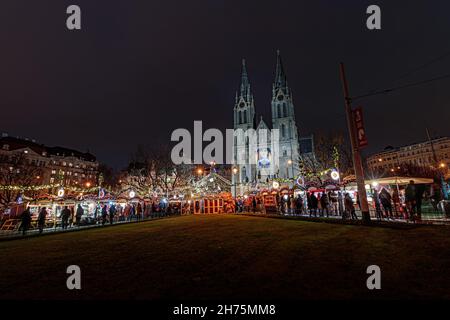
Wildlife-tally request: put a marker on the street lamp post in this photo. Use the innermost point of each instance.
(289, 162)
(235, 170)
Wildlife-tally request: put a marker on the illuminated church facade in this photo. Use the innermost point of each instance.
(261, 162)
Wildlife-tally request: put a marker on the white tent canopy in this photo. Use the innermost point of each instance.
(399, 180)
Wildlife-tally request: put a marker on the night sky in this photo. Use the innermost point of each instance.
(140, 69)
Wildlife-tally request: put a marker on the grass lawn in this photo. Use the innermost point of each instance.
(229, 257)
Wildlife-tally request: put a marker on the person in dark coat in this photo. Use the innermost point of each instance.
(410, 199)
(341, 204)
(138, 212)
(112, 212)
(299, 205)
(420, 190)
(378, 211)
(79, 214)
(314, 204)
(254, 204)
(104, 214)
(350, 207)
(26, 221)
(41, 219)
(65, 214)
(324, 201)
(386, 202)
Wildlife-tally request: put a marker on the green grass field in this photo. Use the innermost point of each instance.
(229, 257)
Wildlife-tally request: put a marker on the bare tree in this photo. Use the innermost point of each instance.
(18, 177)
(153, 168)
(331, 150)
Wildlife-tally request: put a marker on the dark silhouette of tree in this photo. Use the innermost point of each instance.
(18, 177)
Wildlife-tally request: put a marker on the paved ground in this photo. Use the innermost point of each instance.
(229, 256)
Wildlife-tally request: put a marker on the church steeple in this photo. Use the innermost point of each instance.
(280, 75)
(244, 104)
(245, 91)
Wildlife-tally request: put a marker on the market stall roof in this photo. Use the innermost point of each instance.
(400, 180)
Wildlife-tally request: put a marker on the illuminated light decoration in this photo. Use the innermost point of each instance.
(101, 193)
(132, 194)
(300, 181)
(367, 186)
(286, 197)
(375, 184)
(246, 196)
(334, 175)
(164, 200)
(61, 192)
(189, 201)
(275, 185)
(211, 179)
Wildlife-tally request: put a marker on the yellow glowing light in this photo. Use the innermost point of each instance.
(334, 175)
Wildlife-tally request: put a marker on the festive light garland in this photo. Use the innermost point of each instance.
(48, 186)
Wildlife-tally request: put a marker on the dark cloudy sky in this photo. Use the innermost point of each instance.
(139, 69)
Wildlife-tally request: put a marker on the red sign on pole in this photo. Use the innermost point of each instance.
(359, 127)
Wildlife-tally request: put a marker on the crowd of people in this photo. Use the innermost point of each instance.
(406, 205)
(387, 203)
(76, 216)
(315, 204)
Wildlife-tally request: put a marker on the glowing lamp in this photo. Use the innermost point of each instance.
(334, 175)
(132, 194)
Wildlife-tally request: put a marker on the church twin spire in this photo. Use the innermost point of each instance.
(280, 82)
(245, 92)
